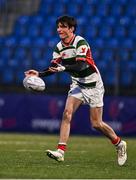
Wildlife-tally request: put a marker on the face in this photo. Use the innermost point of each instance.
(64, 31)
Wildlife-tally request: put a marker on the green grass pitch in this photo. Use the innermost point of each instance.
(23, 156)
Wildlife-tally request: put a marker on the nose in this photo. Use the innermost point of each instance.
(58, 29)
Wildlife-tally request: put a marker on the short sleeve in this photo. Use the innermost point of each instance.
(81, 49)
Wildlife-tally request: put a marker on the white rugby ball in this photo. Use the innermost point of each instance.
(34, 83)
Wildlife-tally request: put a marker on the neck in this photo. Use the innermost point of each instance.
(68, 40)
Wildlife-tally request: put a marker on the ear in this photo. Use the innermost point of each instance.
(72, 29)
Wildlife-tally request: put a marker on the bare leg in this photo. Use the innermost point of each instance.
(97, 123)
(71, 106)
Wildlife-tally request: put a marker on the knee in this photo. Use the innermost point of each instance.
(67, 115)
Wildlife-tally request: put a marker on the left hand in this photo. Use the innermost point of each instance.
(59, 68)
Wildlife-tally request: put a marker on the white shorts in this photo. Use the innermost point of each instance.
(93, 96)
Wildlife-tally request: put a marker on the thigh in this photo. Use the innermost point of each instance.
(72, 104)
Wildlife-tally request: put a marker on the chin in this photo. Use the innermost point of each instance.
(62, 37)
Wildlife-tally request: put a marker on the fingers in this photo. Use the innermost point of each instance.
(59, 65)
(59, 68)
(53, 69)
(31, 73)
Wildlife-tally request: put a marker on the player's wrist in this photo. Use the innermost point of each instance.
(41, 74)
(60, 68)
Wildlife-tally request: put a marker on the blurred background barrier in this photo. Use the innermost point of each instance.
(42, 114)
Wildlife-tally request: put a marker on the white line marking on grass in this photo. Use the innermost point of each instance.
(28, 150)
(74, 151)
(21, 142)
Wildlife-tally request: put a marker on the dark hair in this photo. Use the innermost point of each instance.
(69, 20)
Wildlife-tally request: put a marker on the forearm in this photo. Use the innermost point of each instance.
(45, 72)
(78, 66)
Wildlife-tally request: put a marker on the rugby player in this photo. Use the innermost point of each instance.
(73, 55)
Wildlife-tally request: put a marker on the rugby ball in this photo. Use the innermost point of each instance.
(34, 83)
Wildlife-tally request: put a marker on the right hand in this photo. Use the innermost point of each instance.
(31, 72)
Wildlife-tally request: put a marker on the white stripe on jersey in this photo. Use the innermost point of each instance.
(72, 51)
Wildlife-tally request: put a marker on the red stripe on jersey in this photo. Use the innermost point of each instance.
(56, 61)
(90, 60)
(81, 59)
